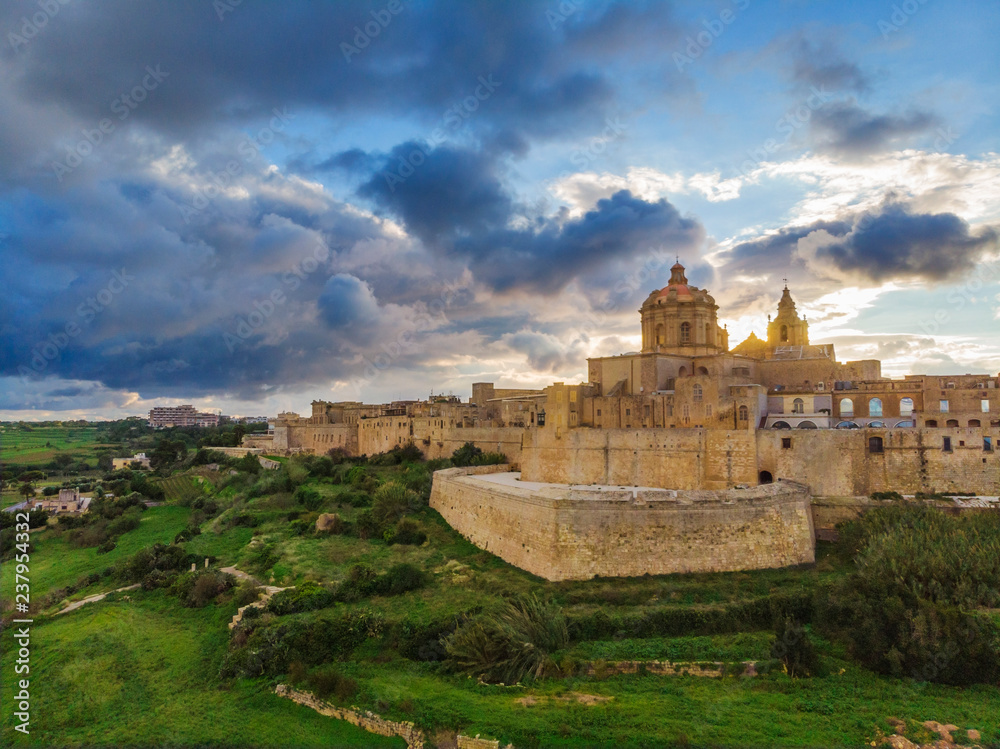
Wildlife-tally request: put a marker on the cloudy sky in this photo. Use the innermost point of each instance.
(247, 206)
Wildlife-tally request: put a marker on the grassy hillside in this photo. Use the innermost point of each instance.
(382, 646)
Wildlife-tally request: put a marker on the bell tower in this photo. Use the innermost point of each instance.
(787, 329)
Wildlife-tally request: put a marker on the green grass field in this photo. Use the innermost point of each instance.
(145, 672)
(42, 444)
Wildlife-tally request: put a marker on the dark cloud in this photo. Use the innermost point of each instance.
(890, 243)
(896, 243)
(441, 193)
(818, 62)
(847, 129)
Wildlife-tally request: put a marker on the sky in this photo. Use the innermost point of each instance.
(248, 206)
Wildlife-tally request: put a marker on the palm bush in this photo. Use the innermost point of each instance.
(510, 644)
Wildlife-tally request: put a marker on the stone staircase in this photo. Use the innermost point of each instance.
(269, 590)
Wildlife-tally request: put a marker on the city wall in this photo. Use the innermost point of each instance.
(562, 534)
(667, 458)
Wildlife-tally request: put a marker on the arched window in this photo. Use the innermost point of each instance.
(930, 423)
(952, 423)
(697, 393)
(744, 413)
(798, 406)
(974, 423)
(847, 407)
(906, 407)
(708, 334)
(661, 335)
(875, 407)
(703, 370)
(806, 425)
(685, 332)
(781, 425)
(784, 333)
(683, 372)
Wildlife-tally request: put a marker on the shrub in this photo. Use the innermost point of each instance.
(510, 644)
(311, 498)
(366, 525)
(392, 500)
(358, 499)
(107, 546)
(406, 532)
(908, 609)
(124, 524)
(326, 682)
(196, 589)
(308, 596)
(794, 649)
(464, 455)
(886, 495)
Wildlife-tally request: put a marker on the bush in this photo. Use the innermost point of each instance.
(310, 498)
(124, 524)
(358, 499)
(794, 649)
(326, 682)
(510, 644)
(464, 455)
(909, 608)
(392, 500)
(308, 596)
(366, 525)
(406, 532)
(198, 588)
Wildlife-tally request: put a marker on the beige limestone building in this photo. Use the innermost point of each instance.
(657, 462)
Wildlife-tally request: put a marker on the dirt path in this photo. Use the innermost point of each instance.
(91, 599)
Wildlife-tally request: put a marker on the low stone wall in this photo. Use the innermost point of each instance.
(666, 668)
(237, 452)
(563, 534)
(366, 720)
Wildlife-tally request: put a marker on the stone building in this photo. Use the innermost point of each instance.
(687, 412)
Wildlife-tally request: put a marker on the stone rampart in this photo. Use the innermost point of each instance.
(562, 533)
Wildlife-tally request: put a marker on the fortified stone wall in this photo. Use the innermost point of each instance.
(668, 458)
(839, 463)
(560, 534)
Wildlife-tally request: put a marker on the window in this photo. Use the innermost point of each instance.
(661, 336)
(952, 423)
(670, 409)
(697, 393)
(784, 333)
(875, 407)
(628, 411)
(786, 443)
(744, 413)
(798, 406)
(984, 405)
(685, 332)
(598, 412)
(946, 444)
(687, 411)
(974, 423)
(708, 409)
(875, 444)
(987, 444)
(708, 333)
(847, 407)
(930, 423)
(646, 411)
(944, 406)
(821, 386)
(906, 407)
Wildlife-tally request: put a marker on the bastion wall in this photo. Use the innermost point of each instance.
(559, 533)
